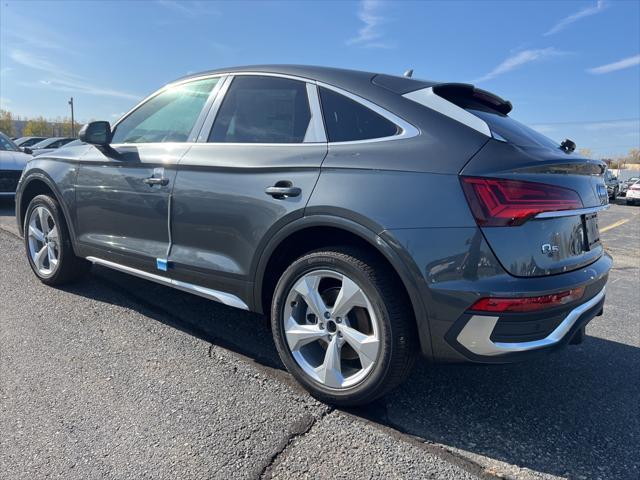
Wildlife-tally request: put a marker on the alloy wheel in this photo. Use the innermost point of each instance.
(331, 328)
(44, 241)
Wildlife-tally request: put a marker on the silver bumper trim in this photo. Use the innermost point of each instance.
(476, 334)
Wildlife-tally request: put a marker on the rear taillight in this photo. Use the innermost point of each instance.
(501, 203)
(527, 304)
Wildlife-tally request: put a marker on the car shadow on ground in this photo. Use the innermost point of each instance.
(572, 413)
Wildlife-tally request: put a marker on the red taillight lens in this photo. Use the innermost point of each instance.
(527, 304)
(501, 203)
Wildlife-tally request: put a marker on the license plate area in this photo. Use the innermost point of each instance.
(591, 230)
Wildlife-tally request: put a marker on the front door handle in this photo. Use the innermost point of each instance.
(283, 190)
(151, 181)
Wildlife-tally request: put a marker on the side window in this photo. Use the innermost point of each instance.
(347, 120)
(167, 117)
(262, 110)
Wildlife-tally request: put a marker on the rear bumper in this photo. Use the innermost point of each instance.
(475, 335)
(453, 268)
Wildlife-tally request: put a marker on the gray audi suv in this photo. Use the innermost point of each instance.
(373, 217)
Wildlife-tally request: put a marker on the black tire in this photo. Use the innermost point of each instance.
(70, 268)
(398, 335)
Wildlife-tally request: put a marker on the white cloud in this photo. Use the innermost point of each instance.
(619, 65)
(585, 12)
(518, 59)
(38, 63)
(370, 34)
(61, 80)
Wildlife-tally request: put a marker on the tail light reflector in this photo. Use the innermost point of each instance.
(527, 304)
(502, 203)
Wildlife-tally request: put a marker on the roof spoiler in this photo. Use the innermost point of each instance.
(459, 92)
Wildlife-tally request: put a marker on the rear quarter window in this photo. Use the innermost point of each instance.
(347, 120)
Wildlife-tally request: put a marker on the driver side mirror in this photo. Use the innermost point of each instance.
(27, 150)
(96, 133)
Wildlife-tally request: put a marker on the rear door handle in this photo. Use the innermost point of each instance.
(156, 181)
(281, 191)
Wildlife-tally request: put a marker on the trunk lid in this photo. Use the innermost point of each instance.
(551, 242)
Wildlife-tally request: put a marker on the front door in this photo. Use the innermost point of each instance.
(123, 192)
(253, 173)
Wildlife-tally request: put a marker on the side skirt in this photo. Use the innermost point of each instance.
(215, 295)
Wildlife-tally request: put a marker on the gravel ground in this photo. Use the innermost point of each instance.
(121, 378)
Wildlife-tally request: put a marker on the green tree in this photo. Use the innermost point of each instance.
(37, 127)
(6, 123)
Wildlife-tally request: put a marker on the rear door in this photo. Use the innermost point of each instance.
(123, 192)
(252, 171)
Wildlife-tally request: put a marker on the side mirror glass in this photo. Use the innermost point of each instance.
(96, 133)
(27, 150)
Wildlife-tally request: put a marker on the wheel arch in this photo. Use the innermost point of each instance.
(39, 183)
(317, 231)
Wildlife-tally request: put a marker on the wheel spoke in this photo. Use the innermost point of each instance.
(350, 296)
(366, 346)
(51, 254)
(40, 256)
(300, 335)
(330, 372)
(35, 233)
(43, 215)
(53, 234)
(307, 287)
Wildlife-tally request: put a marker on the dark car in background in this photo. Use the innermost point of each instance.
(24, 142)
(613, 185)
(371, 216)
(50, 144)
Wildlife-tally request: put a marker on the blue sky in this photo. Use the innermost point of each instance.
(571, 68)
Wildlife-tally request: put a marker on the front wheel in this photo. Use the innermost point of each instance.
(48, 244)
(343, 328)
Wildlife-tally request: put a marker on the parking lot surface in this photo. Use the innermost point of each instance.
(117, 377)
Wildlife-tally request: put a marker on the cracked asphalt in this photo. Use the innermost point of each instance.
(117, 377)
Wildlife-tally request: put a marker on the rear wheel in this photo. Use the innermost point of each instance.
(48, 244)
(342, 327)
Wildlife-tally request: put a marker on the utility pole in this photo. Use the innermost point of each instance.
(73, 128)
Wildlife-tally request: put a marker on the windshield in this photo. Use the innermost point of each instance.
(7, 145)
(512, 131)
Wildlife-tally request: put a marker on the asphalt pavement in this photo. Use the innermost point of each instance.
(117, 377)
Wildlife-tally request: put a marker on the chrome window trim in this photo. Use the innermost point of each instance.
(407, 130)
(211, 294)
(428, 98)
(571, 213)
(476, 334)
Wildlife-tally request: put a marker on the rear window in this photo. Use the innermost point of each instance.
(510, 130)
